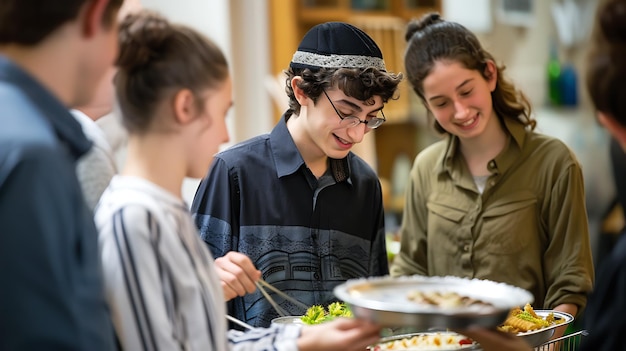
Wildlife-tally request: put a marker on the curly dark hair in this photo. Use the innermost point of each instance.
(359, 83)
(431, 39)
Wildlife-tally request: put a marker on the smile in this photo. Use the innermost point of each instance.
(469, 122)
(343, 141)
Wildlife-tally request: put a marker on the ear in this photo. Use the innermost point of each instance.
(92, 16)
(184, 106)
(617, 130)
(491, 72)
(301, 97)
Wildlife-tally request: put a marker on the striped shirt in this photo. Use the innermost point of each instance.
(160, 280)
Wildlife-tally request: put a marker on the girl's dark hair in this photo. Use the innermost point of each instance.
(431, 39)
(27, 22)
(156, 59)
(606, 71)
(362, 84)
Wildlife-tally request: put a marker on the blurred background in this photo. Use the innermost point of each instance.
(542, 43)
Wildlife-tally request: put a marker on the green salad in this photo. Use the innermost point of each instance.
(317, 314)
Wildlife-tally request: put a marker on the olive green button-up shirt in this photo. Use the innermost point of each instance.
(528, 228)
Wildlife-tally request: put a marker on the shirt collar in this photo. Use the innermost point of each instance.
(67, 129)
(516, 132)
(515, 144)
(288, 160)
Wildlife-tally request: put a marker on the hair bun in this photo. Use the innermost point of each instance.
(613, 22)
(139, 42)
(417, 25)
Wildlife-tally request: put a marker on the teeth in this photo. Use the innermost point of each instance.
(343, 141)
(468, 122)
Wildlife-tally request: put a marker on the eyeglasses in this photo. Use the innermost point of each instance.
(353, 121)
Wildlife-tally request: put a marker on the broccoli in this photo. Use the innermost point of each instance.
(316, 314)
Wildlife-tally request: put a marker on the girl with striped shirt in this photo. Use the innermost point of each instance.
(163, 287)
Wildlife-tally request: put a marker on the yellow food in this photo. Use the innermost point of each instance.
(520, 321)
(436, 341)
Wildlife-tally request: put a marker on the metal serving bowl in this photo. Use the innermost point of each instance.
(288, 320)
(385, 301)
(538, 337)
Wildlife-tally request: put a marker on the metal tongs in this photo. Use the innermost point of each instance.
(262, 285)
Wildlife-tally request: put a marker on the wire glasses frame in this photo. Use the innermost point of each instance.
(353, 121)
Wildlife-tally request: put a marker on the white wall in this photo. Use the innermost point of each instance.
(239, 27)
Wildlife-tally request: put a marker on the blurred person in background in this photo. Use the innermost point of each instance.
(174, 90)
(305, 209)
(96, 168)
(493, 200)
(52, 56)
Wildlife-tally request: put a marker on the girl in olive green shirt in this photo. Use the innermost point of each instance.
(494, 200)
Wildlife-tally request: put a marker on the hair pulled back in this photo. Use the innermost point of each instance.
(432, 39)
(606, 71)
(158, 58)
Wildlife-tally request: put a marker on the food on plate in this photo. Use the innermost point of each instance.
(447, 299)
(317, 314)
(520, 321)
(427, 341)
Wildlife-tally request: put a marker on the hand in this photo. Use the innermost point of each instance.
(237, 274)
(493, 340)
(342, 334)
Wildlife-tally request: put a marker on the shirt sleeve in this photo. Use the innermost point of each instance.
(568, 263)
(276, 337)
(134, 285)
(412, 258)
(51, 296)
(215, 209)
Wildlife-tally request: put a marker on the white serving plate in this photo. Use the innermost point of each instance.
(385, 301)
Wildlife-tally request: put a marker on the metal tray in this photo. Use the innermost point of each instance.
(541, 336)
(384, 300)
(469, 347)
(288, 320)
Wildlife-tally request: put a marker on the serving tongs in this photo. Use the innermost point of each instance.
(237, 321)
(262, 285)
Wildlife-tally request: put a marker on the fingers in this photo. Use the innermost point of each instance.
(359, 334)
(237, 274)
(345, 334)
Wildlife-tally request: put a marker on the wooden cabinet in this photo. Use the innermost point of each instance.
(291, 19)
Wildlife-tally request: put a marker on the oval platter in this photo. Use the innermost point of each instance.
(385, 300)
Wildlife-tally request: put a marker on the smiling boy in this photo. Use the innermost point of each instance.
(305, 209)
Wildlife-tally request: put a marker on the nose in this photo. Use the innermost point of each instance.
(460, 110)
(357, 132)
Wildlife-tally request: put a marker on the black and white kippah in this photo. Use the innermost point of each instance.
(337, 45)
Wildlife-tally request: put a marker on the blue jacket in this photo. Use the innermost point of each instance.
(52, 294)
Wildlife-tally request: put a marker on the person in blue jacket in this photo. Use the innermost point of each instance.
(305, 209)
(52, 56)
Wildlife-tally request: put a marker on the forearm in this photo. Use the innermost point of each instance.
(567, 308)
